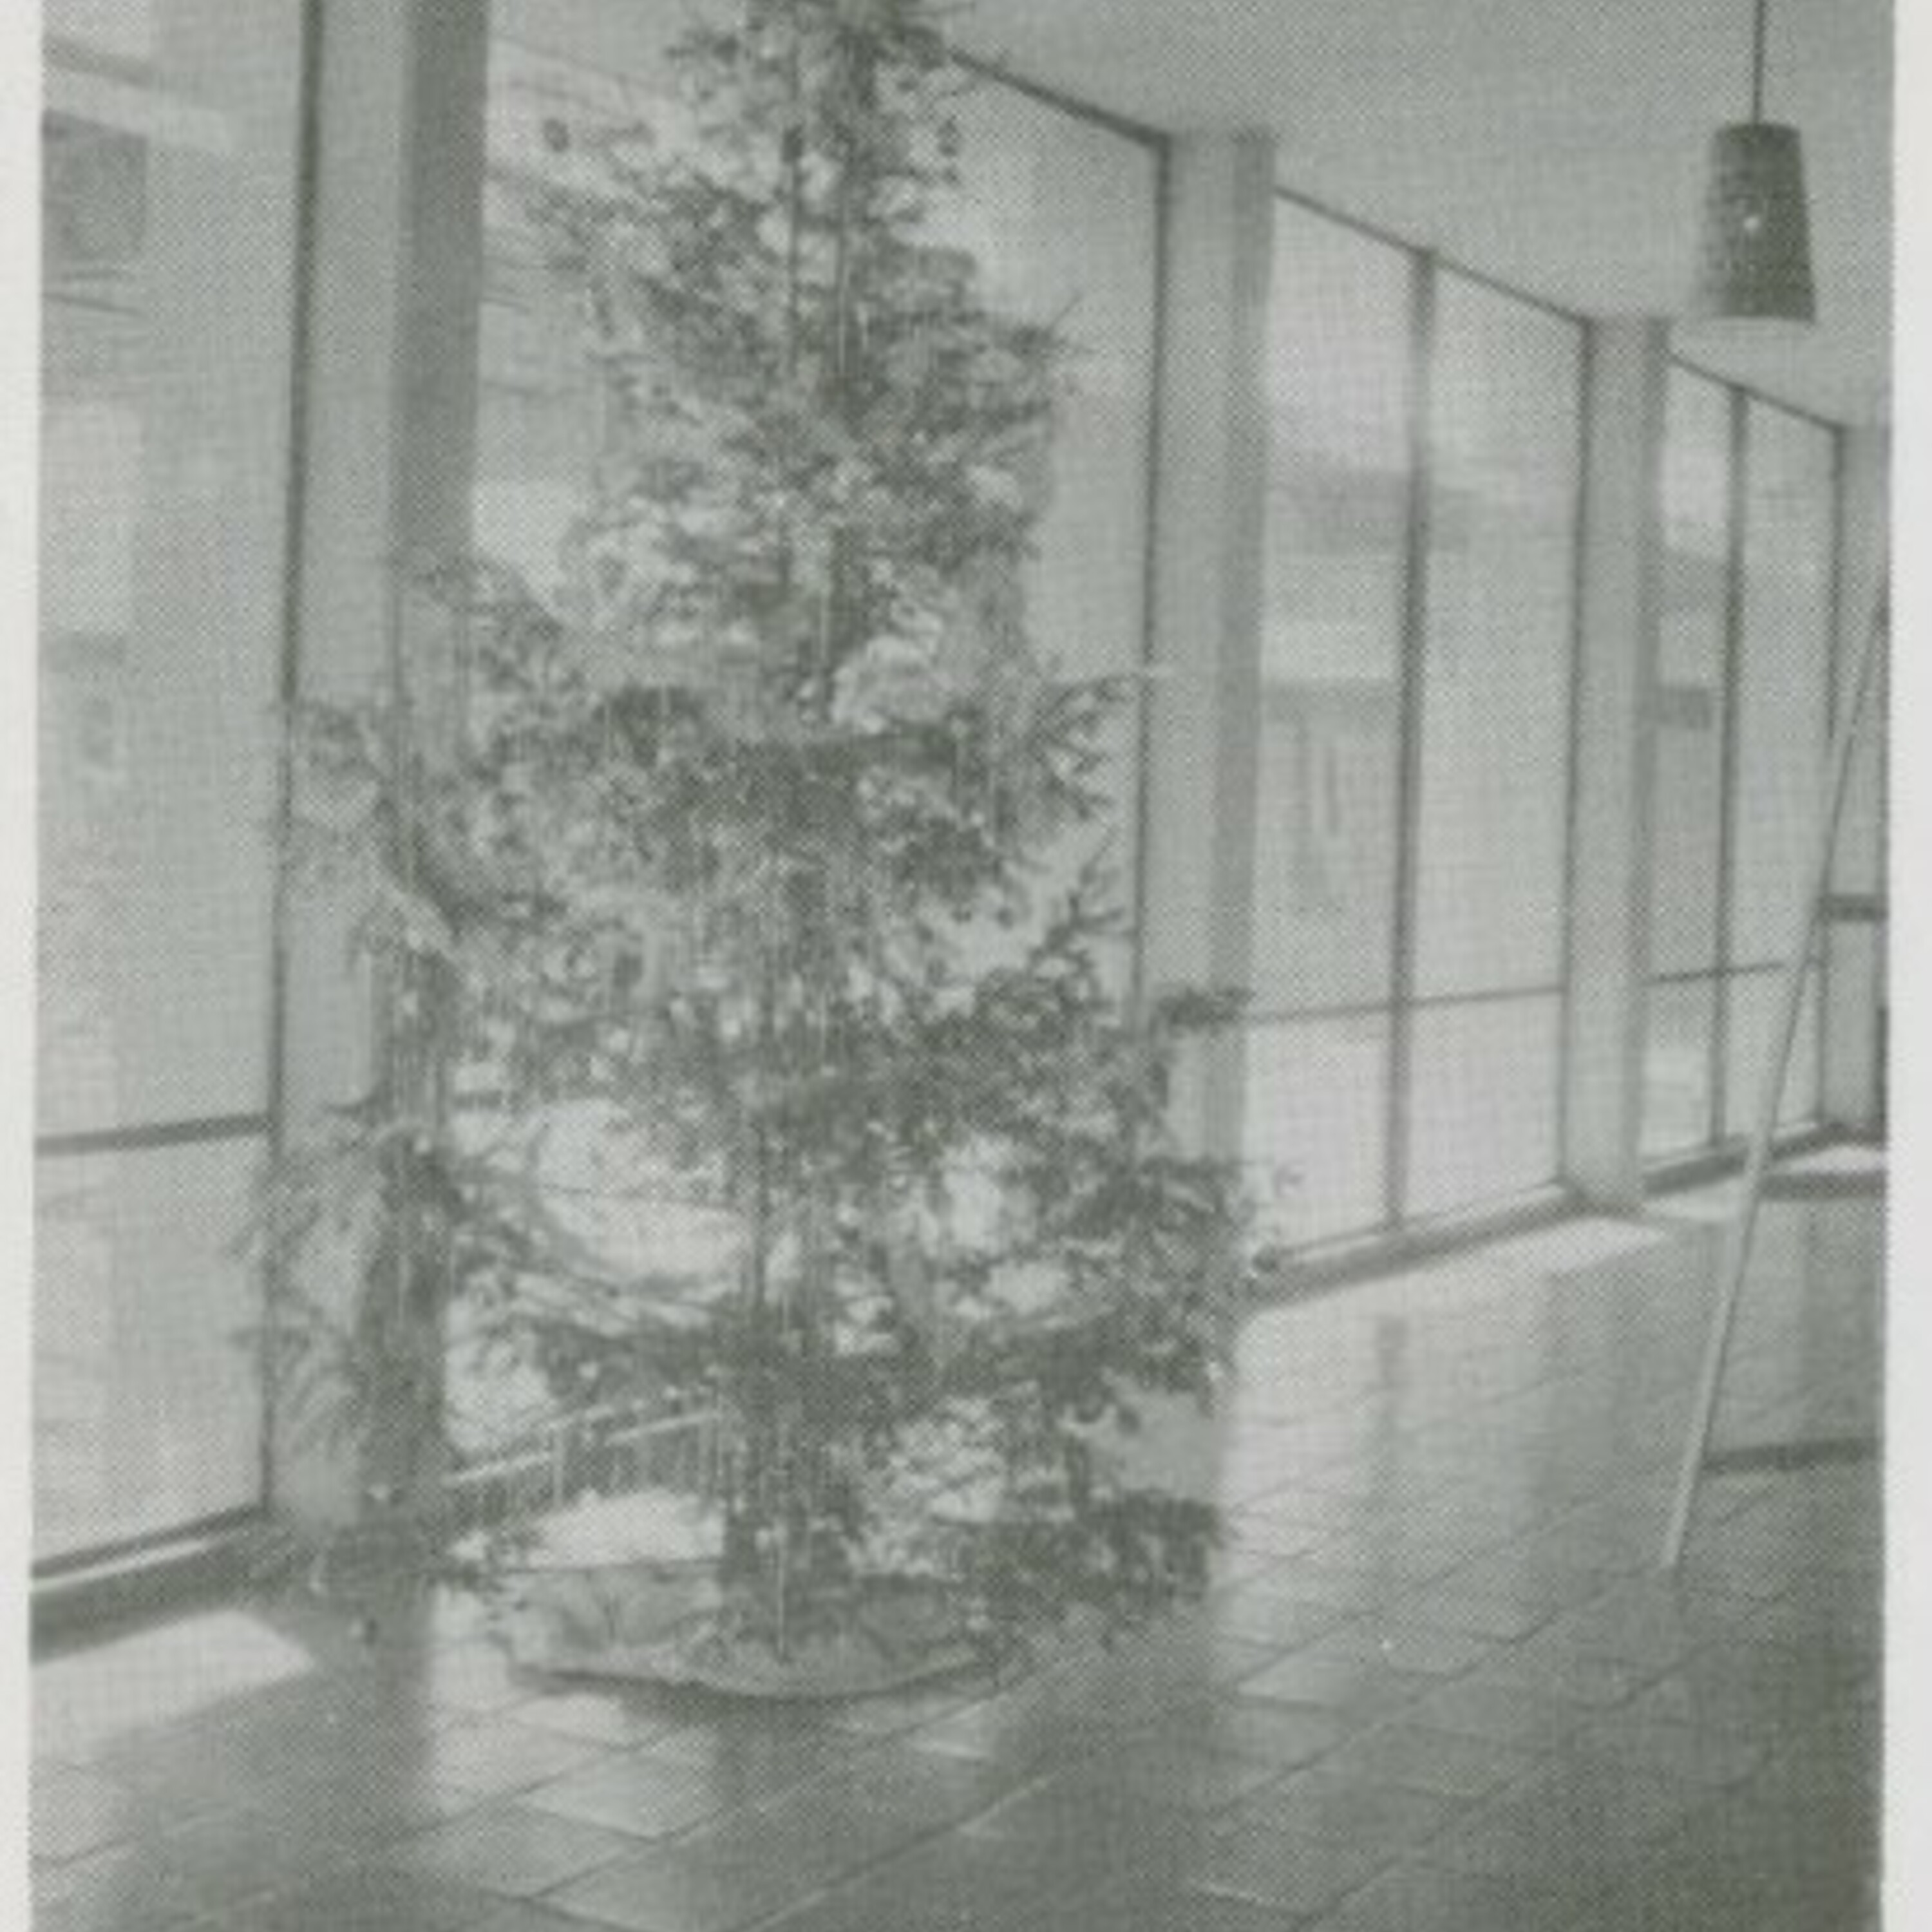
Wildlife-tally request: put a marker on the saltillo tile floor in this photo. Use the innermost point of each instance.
(1440, 1685)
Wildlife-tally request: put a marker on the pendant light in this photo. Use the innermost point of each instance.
(1754, 257)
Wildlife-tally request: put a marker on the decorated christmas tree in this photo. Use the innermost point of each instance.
(751, 1047)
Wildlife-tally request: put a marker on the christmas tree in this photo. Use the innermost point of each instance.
(750, 1043)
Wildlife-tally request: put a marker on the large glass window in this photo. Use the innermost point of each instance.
(1483, 1101)
(1062, 216)
(1469, 688)
(1491, 845)
(1339, 388)
(1783, 708)
(1742, 709)
(1688, 777)
(1492, 825)
(168, 280)
(1316, 1143)
(1340, 378)
(1781, 683)
(1680, 1065)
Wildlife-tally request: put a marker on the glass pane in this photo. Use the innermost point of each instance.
(125, 28)
(1338, 505)
(168, 256)
(1324, 859)
(1496, 728)
(1062, 216)
(1754, 998)
(147, 1404)
(1677, 1116)
(1782, 676)
(1482, 1108)
(1689, 774)
(558, 79)
(1317, 1097)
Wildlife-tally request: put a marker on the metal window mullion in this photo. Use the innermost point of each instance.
(1685, 976)
(289, 691)
(1579, 512)
(144, 1544)
(151, 1136)
(1387, 238)
(1833, 645)
(998, 73)
(1753, 393)
(1729, 804)
(1422, 1002)
(1413, 645)
(1145, 684)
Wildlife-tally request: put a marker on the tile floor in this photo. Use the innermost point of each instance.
(1440, 1687)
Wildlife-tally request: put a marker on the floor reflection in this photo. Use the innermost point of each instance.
(1439, 1683)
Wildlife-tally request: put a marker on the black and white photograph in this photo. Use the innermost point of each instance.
(957, 966)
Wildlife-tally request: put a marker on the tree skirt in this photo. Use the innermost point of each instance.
(625, 1589)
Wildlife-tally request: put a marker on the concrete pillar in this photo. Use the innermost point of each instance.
(1205, 702)
(386, 437)
(1853, 1084)
(1610, 908)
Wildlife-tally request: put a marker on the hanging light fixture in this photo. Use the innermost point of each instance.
(1754, 257)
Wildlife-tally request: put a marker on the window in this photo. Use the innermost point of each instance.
(1316, 1138)
(1458, 1041)
(1061, 213)
(1781, 679)
(1492, 822)
(1483, 1105)
(1688, 781)
(1742, 705)
(168, 286)
(1680, 1065)
(1340, 377)
(1340, 382)
(1784, 663)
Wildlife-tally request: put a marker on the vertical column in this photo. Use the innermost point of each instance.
(1854, 1045)
(388, 412)
(1204, 705)
(1610, 904)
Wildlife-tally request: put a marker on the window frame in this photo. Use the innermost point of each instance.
(1404, 1004)
(1723, 977)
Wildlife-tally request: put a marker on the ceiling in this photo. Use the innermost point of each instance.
(1556, 145)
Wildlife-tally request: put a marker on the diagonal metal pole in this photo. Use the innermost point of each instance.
(1736, 1252)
